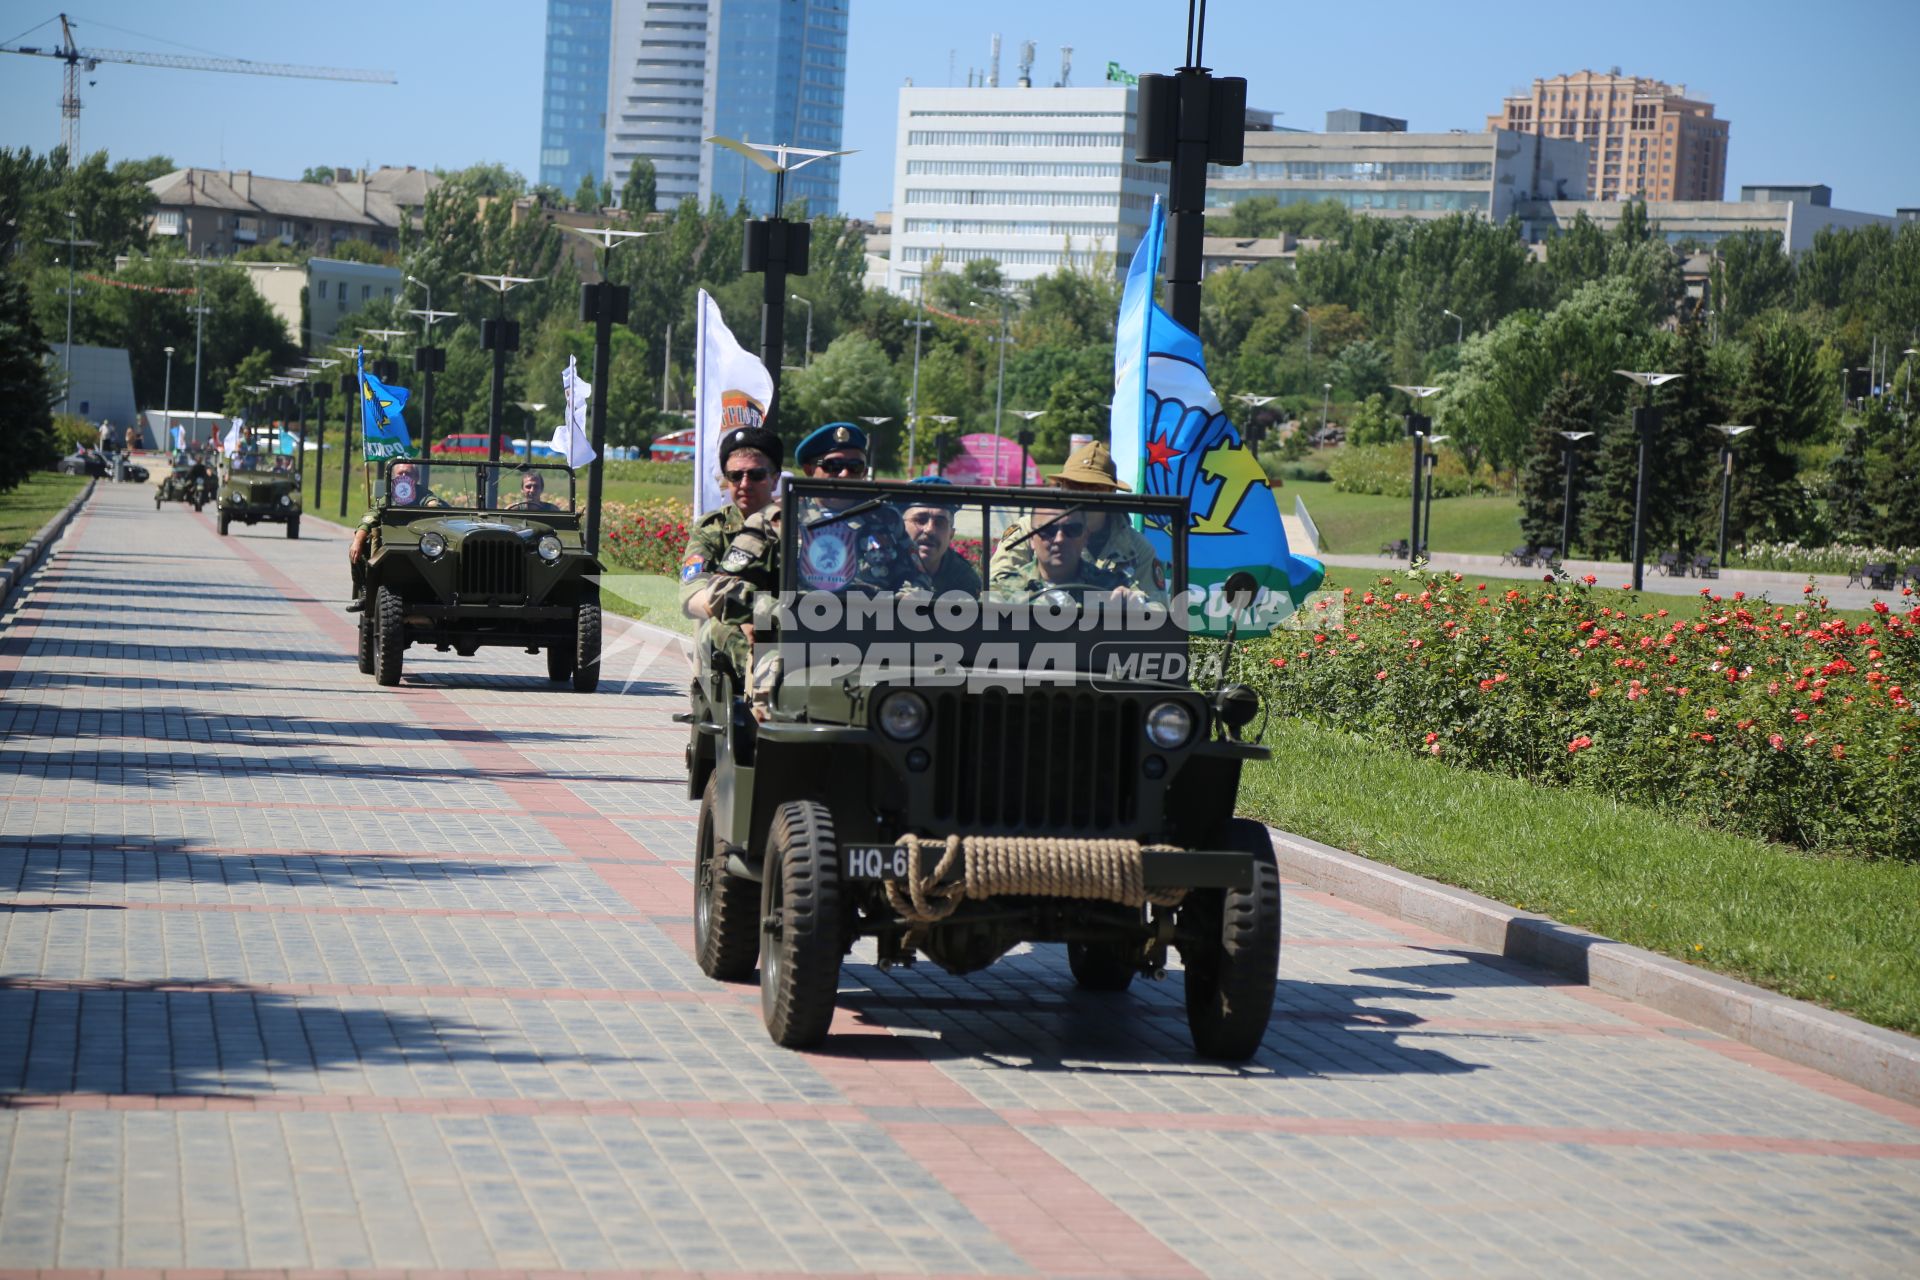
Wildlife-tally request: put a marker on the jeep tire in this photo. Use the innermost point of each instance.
(726, 934)
(1233, 963)
(1102, 966)
(293, 526)
(560, 662)
(225, 520)
(368, 636)
(586, 648)
(800, 926)
(390, 636)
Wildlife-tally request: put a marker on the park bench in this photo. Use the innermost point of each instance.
(1546, 555)
(1521, 555)
(1670, 565)
(1912, 575)
(1704, 567)
(1397, 549)
(1875, 577)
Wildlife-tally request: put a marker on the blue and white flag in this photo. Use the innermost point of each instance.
(383, 429)
(1170, 437)
(571, 439)
(230, 443)
(179, 437)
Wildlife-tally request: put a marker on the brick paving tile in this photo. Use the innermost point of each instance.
(304, 977)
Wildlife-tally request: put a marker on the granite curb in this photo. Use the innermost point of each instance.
(1874, 1058)
(34, 549)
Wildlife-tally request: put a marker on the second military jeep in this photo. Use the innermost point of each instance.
(258, 484)
(958, 775)
(465, 555)
(191, 480)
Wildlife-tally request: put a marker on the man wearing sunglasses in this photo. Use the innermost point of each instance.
(1112, 543)
(868, 550)
(749, 464)
(929, 522)
(1059, 560)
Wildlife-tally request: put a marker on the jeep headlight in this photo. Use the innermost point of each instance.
(286, 499)
(1169, 725)
(432, 545)
(548, 547)
(903, 716)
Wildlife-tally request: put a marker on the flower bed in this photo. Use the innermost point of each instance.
(1784, 722)
(1838, 557)
(644, 537)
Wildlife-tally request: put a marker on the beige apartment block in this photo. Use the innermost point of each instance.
(1645, 138)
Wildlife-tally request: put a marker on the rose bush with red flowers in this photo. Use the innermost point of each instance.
(644, 537)
(1782, 721)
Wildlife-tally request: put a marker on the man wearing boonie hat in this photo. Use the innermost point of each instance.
(929, 522)
(1113, 544)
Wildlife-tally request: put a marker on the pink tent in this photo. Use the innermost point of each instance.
(989, 459)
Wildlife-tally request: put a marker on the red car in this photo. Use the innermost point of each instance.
(675, 446)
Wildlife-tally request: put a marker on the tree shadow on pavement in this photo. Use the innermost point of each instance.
(186, 724)
(85, 863)
(226, 1038)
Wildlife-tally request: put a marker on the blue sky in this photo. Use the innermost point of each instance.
(1815, 93)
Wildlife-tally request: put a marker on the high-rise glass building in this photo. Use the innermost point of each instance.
(776, 72)
(573, 103)
(682, 71)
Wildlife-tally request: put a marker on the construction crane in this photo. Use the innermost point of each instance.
(78, 59)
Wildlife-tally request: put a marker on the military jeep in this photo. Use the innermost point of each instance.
(191, 480)
(258, 484)
(463, 555)
(955, 776)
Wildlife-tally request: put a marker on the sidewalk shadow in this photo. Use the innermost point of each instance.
(1049, 1025)
(156, 771)
(82, 862)
(220, 1037)
(188, 725)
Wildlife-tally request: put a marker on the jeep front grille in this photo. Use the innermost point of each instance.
(493, 565)
(1036, 761)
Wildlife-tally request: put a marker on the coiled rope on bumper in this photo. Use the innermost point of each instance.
(1024, 866)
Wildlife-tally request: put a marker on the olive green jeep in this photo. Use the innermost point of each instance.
(464, 555)
(957, 775)
(259, 485)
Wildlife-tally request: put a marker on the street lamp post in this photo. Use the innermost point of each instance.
(918, 325)
(1910, 353)
(876, 423)
(349, 405)
(1026, 436)
(943, 419)
(1459, 327)
(1573, 439)
(605, 304)
(1732, 432)
(1000, 391)
(1646, 419)
(1426, 520)
(806, 358)
(532, 408)
(166, 398)
(427, 361)
(1254, 404)
(1419, 426)
(498, 335)
(71, 242)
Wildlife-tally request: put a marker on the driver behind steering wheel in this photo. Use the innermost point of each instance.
(1060, 562)
(532, 489)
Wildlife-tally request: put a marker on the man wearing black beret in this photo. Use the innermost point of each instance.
(749, 463)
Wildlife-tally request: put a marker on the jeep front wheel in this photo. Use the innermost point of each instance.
(726, 937)
(1233, 961)
(586, 648)
(367, 639)
(293, 526)
(560, 662)
(1102, 966)
(800, 928)
(225, 520)
(390, 636)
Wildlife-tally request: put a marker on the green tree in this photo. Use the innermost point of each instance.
(251, 370)
(1751, 274)
(1781, 394)
(1850, 515)
(1079, 404)
(851, 379)
(489, 178)
(1372, 423)
(586, 196)
(1360, 369)
(318, 173)
(641, 190)
(26, 389)
(1568, 407)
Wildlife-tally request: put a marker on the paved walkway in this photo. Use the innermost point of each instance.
(1782, 588)
(298, 973)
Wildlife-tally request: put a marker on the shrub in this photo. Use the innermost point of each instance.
(644, 470)
(645, 537)
(1310, 472)
(1387, 469)
(1783, 722)
(1833, 557)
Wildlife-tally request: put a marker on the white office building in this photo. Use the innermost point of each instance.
(655, 93)
(1025, 177)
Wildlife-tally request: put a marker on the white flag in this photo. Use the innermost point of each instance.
(179, 437)
(231, 444)
(732, 389)
(571, 439)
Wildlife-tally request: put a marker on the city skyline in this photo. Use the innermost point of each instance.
(1300, 64)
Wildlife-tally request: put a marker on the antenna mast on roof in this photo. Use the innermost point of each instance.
(1066, 65)
(1026, 64)
(993, 64)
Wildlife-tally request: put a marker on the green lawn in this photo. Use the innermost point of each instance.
(37, 500)
(1839, 931)
(1359, 524)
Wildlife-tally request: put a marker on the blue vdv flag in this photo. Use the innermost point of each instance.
(1170, 437)
(383, 429)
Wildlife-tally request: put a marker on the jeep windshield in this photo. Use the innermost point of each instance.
(512, 487)
(960, 577)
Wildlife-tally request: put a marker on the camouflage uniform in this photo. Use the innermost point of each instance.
(1023, 582)
(955, 574)
(707, 542)
(1118, 549)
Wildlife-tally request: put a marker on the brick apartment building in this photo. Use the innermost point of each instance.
(1646, 138)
